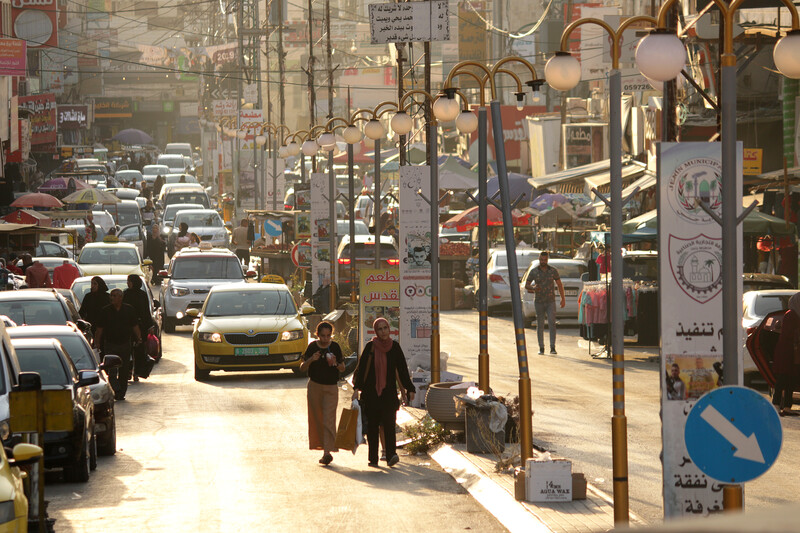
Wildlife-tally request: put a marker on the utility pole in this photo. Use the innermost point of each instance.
(400, 92)
(312, 96)
(281, 65)
(329, 57)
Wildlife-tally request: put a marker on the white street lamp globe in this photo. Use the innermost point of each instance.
(466, 122)
(261, 140)
(356, 148)
(352, 135)
(310, 147)
(402, 123)
(374, 130)
(293, 148)
(327, 141)
(786, 55)
(283, 152)
(241, 134)
(660, 56)
(446, 109)
(562, 71)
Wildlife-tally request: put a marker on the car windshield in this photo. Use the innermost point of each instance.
(128, 217)
(367, 251)
(194, 267)
(262, 302)
(343, 227)
(523, 260)
(35, 312)
(155, 170)
(768, 303)
(171, 210)
(82, 288)
(203, 219)
(78, 349)
(108, 256)
(187, 198)
(570, 270)
(46, 362)
(128, 175)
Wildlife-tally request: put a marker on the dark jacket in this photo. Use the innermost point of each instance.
(138, 299)
(91, 308)
(396, 366)
(156, 247)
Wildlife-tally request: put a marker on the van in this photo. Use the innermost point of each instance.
(181, 195)
(175, 162)
(179, 148)
(125, 213)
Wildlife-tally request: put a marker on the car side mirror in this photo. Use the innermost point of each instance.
(29, 381)
(251, 274)
(83, 325)
(25, 454)
(111, 361)
(193, 312)
(585, 277)
(163, 274)
(88, 377)
(307, 310)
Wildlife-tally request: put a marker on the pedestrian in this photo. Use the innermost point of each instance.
(12, 267)
(787, 356)
(91, 229)
(194, 240)
(156, 247)
(241, 243)
(324, 361)
(37, 276)
(136, 297)
(542, 282)
(4, 273)
(27, 261)
(65, 274)
(117, 328)
(381, 365)
(148, 213)
(182, 240)
(157, 184)
(94, 302)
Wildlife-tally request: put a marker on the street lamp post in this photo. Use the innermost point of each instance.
(563, 72)
(327, 141)
(375, 131)
(352, 135)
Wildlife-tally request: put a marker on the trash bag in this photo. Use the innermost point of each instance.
(322, 300)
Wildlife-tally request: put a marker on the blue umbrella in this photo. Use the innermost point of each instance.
(517, 183)
(133, 136)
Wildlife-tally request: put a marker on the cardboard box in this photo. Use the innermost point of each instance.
(447, 288)
(421, 379)
(578, 486)
(548, 481)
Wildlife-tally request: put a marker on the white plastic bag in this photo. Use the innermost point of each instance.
(359, 429)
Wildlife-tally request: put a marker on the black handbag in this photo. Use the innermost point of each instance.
(142, 362)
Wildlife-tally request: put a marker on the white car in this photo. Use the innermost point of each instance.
(756, 306)
(498, 289)
(570, 272)
(205, 223)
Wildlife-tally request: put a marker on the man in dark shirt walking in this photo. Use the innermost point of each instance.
(542, 282)
(119, 324)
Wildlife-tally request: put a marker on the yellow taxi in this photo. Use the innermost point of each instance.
(103, 258)
(253, 326)
(13, 502)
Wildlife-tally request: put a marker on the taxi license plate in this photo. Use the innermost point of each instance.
(251, 351)
(571, 292)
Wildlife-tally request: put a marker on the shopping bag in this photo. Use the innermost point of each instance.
(153, 346)
(359, 426)
(346, 431)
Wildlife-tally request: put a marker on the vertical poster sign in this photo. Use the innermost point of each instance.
(277, 178)
(322, 231)
(690, 280)
(380, 297)
(43, 117)
(415, 262)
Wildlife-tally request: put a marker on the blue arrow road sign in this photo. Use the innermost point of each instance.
(273, 228)
(733, 434)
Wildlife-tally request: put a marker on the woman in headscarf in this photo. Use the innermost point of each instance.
(787, 355)
(380, 366)
(136, 297)
(94, 301)
(323, 360)
(182, 240)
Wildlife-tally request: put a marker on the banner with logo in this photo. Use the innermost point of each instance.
(13, 58)
(275, 182)
(113, 108)
(322, 231)
(72, 117)
(43, 119)
(414, 244)
(380, 297)
(35, 21)
(690, 280)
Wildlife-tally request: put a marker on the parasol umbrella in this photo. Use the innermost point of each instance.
(91, 196)
(62, 184)
(37, 199)
(133, 136)
(468, 219)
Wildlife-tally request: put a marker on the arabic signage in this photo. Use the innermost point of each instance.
(35, 21)
(753, 160)
(473, 39)
(249, 118)
(409, 21)
(415, 261)
(322, 231)
(515, 132)
(690, 266)
(43, 119)
(12, 57)
(223, 108)
(112, 108)
(72, 117)
(380, 297)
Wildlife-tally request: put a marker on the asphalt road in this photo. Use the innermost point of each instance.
(572, 409)
(232, 455)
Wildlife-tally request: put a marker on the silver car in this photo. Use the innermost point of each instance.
(498, 289)
(570, 272)
(206, 223)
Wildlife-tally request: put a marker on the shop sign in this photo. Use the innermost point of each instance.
(12, 57)
(43, 119)
(35, 22)
(113, 108)
(72, 117)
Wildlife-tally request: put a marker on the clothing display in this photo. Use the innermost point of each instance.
(594, 311)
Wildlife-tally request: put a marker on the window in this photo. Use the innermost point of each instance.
(765, 305)
(79, 351)
(35, 312)
(187, 198)
(203, 219)
(194, 267)
(46, 362)
(264, 302)
(366, 252)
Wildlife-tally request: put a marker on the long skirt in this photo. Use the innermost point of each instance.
(322, 403)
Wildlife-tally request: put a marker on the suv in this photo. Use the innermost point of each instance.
(363, 253)
(190, 275)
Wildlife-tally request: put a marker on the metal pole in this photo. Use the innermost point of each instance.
(332, 229)
(256, 176)
(483, 255)
(302, 169)
(619, 423)
(525, 430)
(436, 373)
(376, 206)
(351, 192)
(274, 156)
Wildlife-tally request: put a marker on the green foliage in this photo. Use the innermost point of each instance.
(425, 435)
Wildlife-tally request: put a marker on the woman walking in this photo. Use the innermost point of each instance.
(787, 356)
(380, 366)
(324, 361)
(94, 302)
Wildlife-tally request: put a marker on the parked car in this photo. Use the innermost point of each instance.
(254, 326)
(760, 307)
(205, 223)
(13, 502)
(191, 274)
(40, 307)
(570, 272)
(363, 253)
(99, 258)
(75, 451)
(9, 379)
(82, 356)
(52, 249)
(498, 291)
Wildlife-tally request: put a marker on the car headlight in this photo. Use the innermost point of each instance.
(179, 291)
(210, 337)
(5, 430)
(6, 511)
(291, 335)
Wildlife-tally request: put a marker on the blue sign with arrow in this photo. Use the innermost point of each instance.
(733, 434)
(273, 228)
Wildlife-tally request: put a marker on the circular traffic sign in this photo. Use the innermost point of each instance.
(733, 434)
(301, 254)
